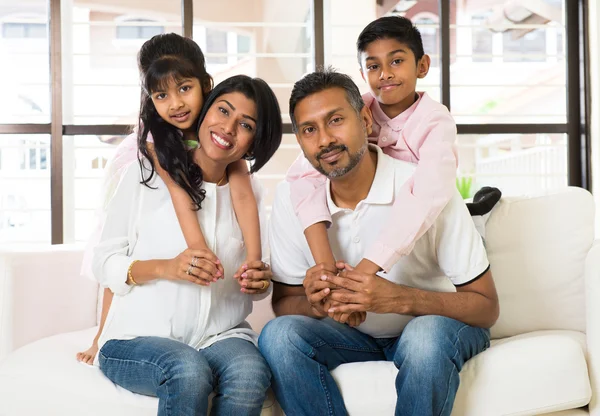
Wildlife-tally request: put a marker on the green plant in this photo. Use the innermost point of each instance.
(464, 184)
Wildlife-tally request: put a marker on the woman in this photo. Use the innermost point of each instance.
(176, 330)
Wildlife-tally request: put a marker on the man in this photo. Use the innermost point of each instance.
(414, 317)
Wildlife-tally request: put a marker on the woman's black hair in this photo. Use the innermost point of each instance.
(269, 130)
(164, 58)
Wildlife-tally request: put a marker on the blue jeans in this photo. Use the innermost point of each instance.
(182, 378)
(429, 354)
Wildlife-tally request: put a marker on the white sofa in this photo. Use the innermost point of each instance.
(544, 359)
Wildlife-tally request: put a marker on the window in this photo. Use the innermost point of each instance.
(24, 52)
(24, 30)
(216, 43)
(33, 155)
(24, 188)
(482, 39)
(428, 26)
(490, 92)
(243, 43)
(138, 30)
(528, 47)
(265, 39)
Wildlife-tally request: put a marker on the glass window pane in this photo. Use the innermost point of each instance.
(24, 188)
(518, 164)
(269, 39)
(84, 160)
(216, 46)
(100, 45)
(24, 51)
(507, 62)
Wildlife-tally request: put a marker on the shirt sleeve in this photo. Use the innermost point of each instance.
(286, 241)
(459, 247)
(425, 194)
(308, 193)
(112, 254)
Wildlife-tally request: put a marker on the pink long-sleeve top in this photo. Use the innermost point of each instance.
(424, 134)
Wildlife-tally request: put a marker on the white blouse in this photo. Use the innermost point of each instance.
(141, 224)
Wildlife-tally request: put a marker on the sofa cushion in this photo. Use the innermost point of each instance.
(535, 373)
(537, 248)
(36, 278)
(44, 378)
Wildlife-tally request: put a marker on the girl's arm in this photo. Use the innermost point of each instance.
(245, 207)
(308, 194)
(106, 302)
(188, 220)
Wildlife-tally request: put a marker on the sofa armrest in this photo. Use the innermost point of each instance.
(43, 294)
(592, 319)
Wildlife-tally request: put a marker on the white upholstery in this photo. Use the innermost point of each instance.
(537, 248)
(70, 387)
(540, 372)
(545, 358)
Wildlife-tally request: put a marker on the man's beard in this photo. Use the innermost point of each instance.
(342, 170)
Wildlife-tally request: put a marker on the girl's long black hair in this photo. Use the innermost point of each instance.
(162, 59)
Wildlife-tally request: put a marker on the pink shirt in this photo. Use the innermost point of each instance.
(424, 134)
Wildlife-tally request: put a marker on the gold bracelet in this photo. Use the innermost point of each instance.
(129, 276)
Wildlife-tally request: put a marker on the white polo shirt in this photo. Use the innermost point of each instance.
(450, 254)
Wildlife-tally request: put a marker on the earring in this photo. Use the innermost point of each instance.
(248, 156)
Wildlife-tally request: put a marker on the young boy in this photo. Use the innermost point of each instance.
(407, 125)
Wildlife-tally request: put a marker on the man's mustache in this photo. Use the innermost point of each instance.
(329, 149)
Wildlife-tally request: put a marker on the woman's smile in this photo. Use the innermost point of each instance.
(220, 141)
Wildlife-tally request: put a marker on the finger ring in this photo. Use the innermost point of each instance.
(189, 270)
(265, 284)
(194, 261)
(266, 266)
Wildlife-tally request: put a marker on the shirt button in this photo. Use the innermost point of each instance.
(384, 139)
(356, 239)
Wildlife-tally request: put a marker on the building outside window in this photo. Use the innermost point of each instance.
(135, 30)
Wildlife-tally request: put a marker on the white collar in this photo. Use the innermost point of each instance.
(382, 188)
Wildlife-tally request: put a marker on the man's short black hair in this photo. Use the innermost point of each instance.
(391, 27)
(320, 80)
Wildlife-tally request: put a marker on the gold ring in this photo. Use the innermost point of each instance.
(265, 284)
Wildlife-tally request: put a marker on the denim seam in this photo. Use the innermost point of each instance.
(344, 347)
(454, 368)
(324, 387)
(167, 406)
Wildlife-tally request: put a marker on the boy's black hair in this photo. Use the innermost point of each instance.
(391, 27)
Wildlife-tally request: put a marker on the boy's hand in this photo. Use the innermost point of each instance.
(353, 319)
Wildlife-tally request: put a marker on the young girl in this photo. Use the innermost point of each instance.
(174, 84)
